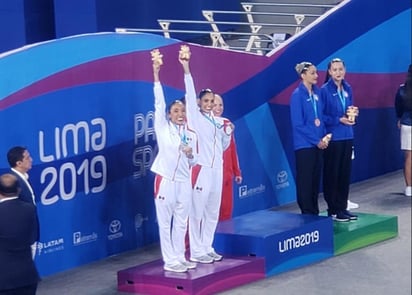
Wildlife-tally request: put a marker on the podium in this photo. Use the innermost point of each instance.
(150, 278)
(261, 244)
(285, 240)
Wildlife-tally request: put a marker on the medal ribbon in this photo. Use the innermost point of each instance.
(181, 130)
(211, 120)
(342, 100)
(314, 105)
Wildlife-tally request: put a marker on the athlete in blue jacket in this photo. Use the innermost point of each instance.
(308, 136)
(339, 115)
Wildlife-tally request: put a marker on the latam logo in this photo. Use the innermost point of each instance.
(50, 246)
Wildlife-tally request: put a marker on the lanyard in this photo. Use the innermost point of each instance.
(342, 99)
(212, 120)
(181, 130)
(314, 104)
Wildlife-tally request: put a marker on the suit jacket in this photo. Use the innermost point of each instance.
(18, 231)
(25, 194)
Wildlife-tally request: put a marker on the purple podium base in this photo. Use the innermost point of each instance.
(150, 278)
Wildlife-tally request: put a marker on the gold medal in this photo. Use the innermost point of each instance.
(317, 122)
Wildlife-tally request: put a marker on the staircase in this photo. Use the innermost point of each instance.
(262, 26)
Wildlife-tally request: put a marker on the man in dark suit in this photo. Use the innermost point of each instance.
(20, 163)
(18, 231)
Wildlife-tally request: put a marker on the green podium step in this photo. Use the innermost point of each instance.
(367, 230)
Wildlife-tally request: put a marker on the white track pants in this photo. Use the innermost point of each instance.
(173, 202)
(204, 216)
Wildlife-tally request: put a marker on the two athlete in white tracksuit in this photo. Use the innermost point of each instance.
(213, 138)
(172, 166)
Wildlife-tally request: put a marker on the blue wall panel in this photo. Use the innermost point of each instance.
(87, 16)
(83, 105)
(39, 20)
(75, 17)
(12, 25)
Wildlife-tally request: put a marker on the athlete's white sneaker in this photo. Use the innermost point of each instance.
(408, 191)
(215, 256)
(175, 267)
(352, 205)
(202, 259)
(189, 264)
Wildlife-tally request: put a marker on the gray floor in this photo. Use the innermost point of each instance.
(383, 268)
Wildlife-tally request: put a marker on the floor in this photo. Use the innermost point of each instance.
(383, 268)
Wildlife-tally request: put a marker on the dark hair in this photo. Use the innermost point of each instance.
(176, 101)
(15, 154)
(330, 65)
(203, 92)
(9, 185)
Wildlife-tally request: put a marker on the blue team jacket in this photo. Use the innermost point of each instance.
(303, 112)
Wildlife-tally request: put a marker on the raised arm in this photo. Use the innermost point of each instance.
(160, 104)
(190, 96)
(157, 62)
(184, 58)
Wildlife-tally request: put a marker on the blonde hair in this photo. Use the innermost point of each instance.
(302, 67)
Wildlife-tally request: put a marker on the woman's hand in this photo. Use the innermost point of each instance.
(322, 144)
(344, 120)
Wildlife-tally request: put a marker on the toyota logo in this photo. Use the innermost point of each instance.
(115, 226)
